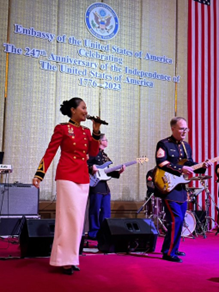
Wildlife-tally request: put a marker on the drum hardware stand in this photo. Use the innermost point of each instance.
(200, 225)
(218, 220)
(207, 201)
(145, 206)
(153, 215)
(158, 216)
(191, 233)
(198, 222)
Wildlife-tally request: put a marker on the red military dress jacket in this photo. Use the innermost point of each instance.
(76, 144)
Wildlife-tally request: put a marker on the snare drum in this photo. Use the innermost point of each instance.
(189, 224)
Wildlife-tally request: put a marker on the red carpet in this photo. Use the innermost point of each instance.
(116, 272)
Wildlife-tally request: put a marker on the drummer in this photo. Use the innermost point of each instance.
(169, 152)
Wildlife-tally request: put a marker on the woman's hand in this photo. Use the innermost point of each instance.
(122, 169)
(96, 127)
(36, 182)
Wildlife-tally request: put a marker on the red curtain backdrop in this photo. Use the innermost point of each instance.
(203, 93)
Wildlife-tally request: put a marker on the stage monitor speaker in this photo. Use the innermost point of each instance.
(36, 237)
(127, 235)
(10, 226)
(18, 199)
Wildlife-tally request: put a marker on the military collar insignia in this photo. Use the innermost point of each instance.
(172, 139)
(74, 123)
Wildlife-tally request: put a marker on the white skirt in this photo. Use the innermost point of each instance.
(71, 204)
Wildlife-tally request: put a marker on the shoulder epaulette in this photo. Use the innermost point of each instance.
(165, 140)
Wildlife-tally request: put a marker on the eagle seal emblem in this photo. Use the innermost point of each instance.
(101, 21)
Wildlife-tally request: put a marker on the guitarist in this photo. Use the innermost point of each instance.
(99, 196)
(169, 152)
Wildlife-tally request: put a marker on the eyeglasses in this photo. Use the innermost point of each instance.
(104, 140)
(183, 129)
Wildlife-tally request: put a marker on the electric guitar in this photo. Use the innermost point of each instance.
(103, 169)
(166, 182)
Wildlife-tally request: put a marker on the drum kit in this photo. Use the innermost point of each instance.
(196, 220)
(154, 210)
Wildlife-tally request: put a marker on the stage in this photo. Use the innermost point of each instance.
(137, 271)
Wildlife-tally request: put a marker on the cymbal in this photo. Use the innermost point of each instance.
(194, 189)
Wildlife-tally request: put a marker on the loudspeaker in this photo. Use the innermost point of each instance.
(127, 235)
(19, 199)
(10, 226)
(36, 237)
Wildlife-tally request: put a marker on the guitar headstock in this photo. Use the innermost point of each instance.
(142, 159)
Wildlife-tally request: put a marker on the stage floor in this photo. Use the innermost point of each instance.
(116, 271)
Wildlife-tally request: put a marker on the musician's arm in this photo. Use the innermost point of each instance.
(114, 174)
(201, 170)
(187, 169)
(90, 162)
(163, 162)
(191, 162)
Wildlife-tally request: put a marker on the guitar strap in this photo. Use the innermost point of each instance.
(184, 147)
(105, 157)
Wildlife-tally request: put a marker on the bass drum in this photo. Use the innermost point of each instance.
(189, 224)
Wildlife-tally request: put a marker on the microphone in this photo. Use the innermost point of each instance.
(97, 120)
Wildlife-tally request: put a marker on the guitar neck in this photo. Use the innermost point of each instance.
(199, 165)
(108, 170)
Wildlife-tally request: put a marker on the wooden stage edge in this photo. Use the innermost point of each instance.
(119, 209)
